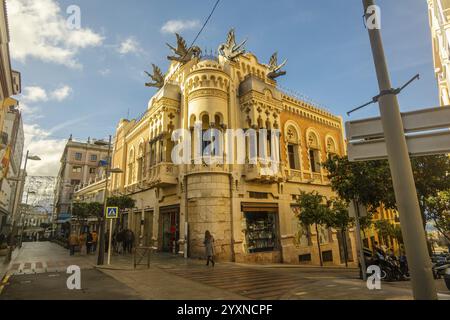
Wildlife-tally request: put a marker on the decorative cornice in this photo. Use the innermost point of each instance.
(208, 93)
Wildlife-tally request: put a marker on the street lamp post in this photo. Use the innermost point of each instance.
(101, 249)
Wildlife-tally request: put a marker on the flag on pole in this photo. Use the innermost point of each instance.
(5, 161)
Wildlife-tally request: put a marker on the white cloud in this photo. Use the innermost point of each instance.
(129, 45)
(30, 113)
(105, 72)
(173, 26)
(61, 93)
(39, 142)
(38, 30)
(37, 94)
(34, 94)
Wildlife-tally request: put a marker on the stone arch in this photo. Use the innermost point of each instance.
(314, 150)
(131, 155)
(330, 144)
(205, 120)
(293, 145)
(192, 120)
(218, 119)
(313, 139)
(293, 127)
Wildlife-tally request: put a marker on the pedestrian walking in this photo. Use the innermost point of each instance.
(106, 237)
(129, 240)
(82, 239)
(73, 242)
(120, 241)
(88, 242)
(209, 248)
(94, 241)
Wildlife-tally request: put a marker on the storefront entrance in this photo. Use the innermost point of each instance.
(262, 236)
(169, 228)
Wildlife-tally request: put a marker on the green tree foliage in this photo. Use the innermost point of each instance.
(313, 211)
(384, 229)
(337, 217)
(94, 209)
(79, 210)
(122, 202)
(370, 182)
(438, 211)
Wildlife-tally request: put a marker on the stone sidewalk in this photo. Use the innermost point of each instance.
(175, 278)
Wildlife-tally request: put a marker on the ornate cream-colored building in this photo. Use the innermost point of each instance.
(250, 213)
(439, 17)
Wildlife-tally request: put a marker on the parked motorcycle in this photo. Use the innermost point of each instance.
(392, 269)
(447, 278)
(440, 263)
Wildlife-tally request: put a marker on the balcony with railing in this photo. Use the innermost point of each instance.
(162, 174)
(263, 171)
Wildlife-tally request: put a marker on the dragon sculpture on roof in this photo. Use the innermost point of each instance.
(275, 68)
(157, 78)
(183, 54)
(230, 49)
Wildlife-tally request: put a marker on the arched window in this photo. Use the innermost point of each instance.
(205, 127)
(140, 162)
(293, 147)
(331, 147)
(314, 152)
(217, 120)
(131, 166)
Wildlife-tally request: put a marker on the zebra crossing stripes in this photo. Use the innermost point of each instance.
(252, 283)
(46, 266)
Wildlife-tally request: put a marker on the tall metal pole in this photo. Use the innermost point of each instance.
(402, 176)
(26, 214)
(110, 240)
(101, 248)
(362, 258)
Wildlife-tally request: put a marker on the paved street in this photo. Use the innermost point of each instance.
(39, 272)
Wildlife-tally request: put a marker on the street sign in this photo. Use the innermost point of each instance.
(426, 132)
(112, 212)
(353, 212)
(418, 145)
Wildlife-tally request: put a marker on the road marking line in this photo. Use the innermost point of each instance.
(6, 278)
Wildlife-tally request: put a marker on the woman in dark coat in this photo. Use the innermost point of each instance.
(209, 248)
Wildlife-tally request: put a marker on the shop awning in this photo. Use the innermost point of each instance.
(61, 221)
(259, 207)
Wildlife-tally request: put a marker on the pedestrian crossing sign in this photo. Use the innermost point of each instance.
(112, 212)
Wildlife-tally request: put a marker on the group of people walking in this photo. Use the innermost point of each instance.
(86, 242)
(122, 241)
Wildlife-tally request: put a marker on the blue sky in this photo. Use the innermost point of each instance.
(98, 78)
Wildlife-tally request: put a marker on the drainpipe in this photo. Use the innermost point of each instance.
(186, 224)
(233, 254)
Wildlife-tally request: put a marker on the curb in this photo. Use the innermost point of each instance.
(114, 268)
(287, 266)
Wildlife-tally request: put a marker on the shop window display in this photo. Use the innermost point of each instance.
(261, 232)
